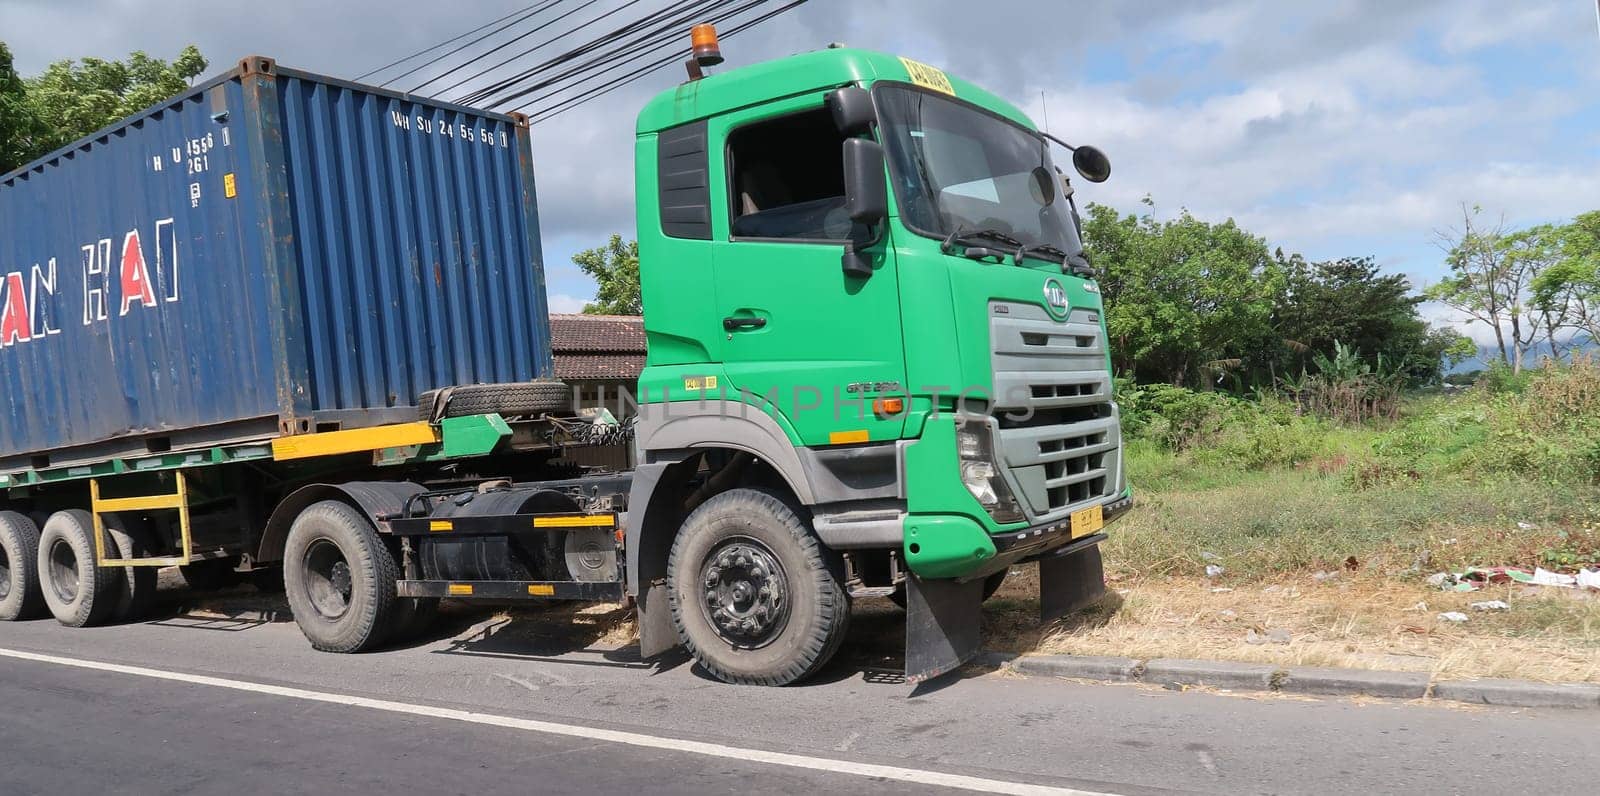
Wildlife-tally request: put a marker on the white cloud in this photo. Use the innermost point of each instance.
(563, 303)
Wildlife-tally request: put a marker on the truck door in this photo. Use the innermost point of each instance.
(820, 345)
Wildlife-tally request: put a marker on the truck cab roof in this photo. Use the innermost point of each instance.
(764, 82)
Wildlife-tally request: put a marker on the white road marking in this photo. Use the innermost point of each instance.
(894, 773)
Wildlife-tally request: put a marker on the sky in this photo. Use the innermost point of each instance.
(1333, 129)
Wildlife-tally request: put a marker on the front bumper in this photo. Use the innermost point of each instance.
(955, 546)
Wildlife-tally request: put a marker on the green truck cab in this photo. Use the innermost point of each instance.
(866, 296)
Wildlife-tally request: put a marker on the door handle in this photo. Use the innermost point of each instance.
(733, 324)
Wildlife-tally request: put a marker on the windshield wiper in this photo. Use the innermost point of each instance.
(1039, 248)
(964, 236)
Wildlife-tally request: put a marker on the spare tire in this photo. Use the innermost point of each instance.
(507, 400)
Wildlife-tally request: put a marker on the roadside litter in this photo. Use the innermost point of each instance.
(1491, 605)
(1453, 616)
(1475, 578)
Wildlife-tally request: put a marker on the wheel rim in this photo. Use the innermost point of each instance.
(329, 583)
(745, 593)
(64, 570)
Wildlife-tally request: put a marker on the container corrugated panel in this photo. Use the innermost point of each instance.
(273, 252)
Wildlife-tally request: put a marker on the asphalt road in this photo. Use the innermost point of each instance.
(535, 704)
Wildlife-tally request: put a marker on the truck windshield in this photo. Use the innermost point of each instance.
(959, 169)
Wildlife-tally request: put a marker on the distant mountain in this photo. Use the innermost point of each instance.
(1489, 353)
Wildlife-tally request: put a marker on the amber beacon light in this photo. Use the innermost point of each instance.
(707, 52)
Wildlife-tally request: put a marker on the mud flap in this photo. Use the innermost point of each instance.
(1070, 582)
(943, 625)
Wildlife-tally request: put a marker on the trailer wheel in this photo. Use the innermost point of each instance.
(136, 588)
(339, 578)
(991, 585)
(756, 597)
(518, 398)
(78, 592)
(20, 597)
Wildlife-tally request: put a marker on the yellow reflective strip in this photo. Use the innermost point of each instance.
(461, 589)
(541, 589)
(108, 505)
(138, 504)
(441, 525)
(355, 440)
(847, 437)
(587, 521)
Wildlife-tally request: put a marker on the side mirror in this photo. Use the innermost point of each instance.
(866, 193)
(852, 110)
(866, 200)
(1091, 163)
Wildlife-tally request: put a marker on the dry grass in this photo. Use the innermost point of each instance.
(1359, 621)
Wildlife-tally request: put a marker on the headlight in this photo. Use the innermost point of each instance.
(980, 470)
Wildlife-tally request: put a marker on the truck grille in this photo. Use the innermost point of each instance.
(1058, 433)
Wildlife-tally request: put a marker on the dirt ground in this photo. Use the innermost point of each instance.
(1350, 620)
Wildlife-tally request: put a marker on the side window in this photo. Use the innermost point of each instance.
(786, 179)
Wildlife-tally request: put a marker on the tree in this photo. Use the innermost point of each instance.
(615, 269)
(72, 99)
(1572, 282)
(1490, 279)
(18, 127)
(1186, 299)
(1349, 302)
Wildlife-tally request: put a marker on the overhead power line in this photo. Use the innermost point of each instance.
(520, 15)
(535, 48)
(603, 59)
(591, 94)
(649, 43)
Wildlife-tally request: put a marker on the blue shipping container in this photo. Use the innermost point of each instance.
(273, 252)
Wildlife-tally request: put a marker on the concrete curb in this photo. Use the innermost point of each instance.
(1233, 675)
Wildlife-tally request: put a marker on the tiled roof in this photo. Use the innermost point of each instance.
(611, 334)
(597, 346)
(572, 367)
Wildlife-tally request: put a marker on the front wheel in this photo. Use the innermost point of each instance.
(756, 597)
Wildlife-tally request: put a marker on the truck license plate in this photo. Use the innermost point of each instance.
(1087, 521)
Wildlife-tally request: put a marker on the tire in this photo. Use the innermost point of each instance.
(210, 575)
(750, 539)
(77, 592)
(991, 585)
(339, 578)
(20, 597)
(136, 586)
(509, 400)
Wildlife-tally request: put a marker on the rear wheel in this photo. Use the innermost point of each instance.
(339, 578)
(136, 586)
(756, 597)
(78, 592)
(20, 597)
